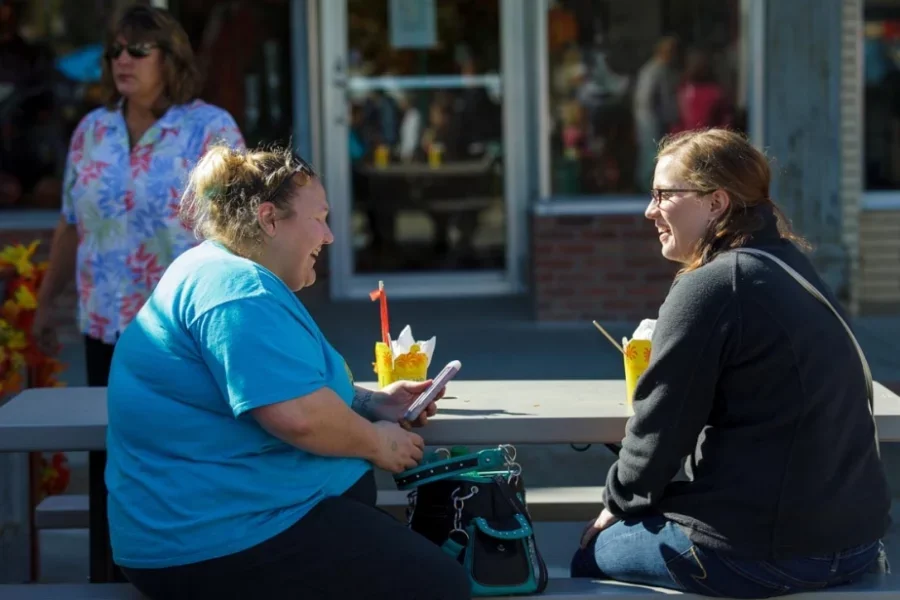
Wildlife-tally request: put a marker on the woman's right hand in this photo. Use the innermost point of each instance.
(44, 331)
(398, 449)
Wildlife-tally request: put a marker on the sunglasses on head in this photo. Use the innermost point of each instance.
(300, 166)
(139, 50)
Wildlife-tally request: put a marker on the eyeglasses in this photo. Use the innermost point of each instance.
(141, 50)
(660, 194)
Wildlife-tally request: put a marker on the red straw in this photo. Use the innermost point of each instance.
(380, 294)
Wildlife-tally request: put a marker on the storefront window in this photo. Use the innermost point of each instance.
(49, 79)
(882, 95)
(244, 50)
(50, 55)
(426, 136)
(623, 74)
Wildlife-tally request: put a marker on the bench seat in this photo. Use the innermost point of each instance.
(70, 591)
(873, 588)
(65, 511)
(551, 504)
(879, 587)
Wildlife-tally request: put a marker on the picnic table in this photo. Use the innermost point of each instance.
(473, 412)
(455, 191)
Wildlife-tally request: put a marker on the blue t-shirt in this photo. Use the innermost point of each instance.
(191, 475)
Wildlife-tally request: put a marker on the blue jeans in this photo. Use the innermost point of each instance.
(654, 551)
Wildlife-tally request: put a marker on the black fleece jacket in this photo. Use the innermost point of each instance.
(758, 385)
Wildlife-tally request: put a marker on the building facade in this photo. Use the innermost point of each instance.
(474, 147)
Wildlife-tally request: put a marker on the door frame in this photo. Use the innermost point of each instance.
(335, 167)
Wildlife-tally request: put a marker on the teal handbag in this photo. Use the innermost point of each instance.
(473, 506)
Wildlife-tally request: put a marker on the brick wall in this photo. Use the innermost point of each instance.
(605, 267)
(879, 262)
(67, 303)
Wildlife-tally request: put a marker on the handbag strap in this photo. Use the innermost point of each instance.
(490, 459)
(867, 372)
(509, 494)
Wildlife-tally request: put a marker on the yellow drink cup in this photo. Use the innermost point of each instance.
(382, 156)
(435, 155)
(412, 366)
(637, 359)
(384, 364)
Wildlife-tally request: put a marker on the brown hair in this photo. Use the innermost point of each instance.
(142, 23)
(719, 159)
(227, 186)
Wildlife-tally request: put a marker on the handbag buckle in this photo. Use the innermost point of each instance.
(515, 469)
(459, 502)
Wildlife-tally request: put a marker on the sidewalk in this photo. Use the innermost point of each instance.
(495, 338)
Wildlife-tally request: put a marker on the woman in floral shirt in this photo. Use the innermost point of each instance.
(127, 165)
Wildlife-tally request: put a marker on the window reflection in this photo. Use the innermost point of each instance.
(624, 74)
(426, 139)
(882, 95)
(50, 55)
(49, 79)
(243, 47)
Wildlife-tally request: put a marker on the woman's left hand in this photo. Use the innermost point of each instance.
(390, 403)
(604, 521)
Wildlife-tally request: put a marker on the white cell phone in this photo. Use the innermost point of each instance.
(428, 396)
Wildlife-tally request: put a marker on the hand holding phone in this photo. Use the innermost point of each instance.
(428, 396)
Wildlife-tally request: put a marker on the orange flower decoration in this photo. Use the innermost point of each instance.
(20, 278)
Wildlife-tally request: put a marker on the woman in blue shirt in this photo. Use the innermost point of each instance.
(240, 452)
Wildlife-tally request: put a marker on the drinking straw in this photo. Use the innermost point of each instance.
(609, 337)
(380, 294)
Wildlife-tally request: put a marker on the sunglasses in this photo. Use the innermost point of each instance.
(141, 50)
(300, 167)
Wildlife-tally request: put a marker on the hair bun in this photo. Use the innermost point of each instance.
(226, 187)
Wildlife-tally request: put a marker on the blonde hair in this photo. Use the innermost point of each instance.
(719, 159)
(227, 187)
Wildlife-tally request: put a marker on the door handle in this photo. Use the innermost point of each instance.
(340, 82)
(340, 78)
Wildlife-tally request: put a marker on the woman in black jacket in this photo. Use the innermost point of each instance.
(759, 386)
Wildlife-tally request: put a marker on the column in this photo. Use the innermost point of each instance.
(803, 125)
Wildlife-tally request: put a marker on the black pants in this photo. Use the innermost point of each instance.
(345, 548)
(98, 357)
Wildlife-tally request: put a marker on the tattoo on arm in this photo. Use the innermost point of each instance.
(362, 401)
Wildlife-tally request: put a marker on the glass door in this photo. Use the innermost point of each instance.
(416, 114)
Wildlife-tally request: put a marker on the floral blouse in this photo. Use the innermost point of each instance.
(125, 206)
